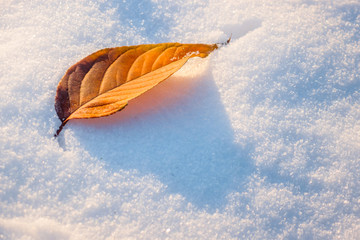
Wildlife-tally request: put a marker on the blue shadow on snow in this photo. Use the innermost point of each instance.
(186, 141)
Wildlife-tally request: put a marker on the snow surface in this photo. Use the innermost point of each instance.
(261, 140)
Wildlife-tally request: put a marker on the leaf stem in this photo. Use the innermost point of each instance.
(60, 128)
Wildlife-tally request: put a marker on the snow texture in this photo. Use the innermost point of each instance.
(261, 140)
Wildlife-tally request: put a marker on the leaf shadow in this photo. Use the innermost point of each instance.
(179, 132)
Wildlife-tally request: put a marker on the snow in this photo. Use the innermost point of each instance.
(261, 140)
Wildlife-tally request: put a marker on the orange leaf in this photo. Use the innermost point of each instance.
(103, 82)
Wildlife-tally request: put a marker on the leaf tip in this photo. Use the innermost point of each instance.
(228, 41)
(224, 43)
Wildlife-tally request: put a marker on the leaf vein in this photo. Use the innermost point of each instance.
(102, 80)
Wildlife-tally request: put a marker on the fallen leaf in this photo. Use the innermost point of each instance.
(103, 82)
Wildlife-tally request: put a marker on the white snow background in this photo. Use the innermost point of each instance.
(261, 140)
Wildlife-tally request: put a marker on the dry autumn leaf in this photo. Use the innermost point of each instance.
(103, 82)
